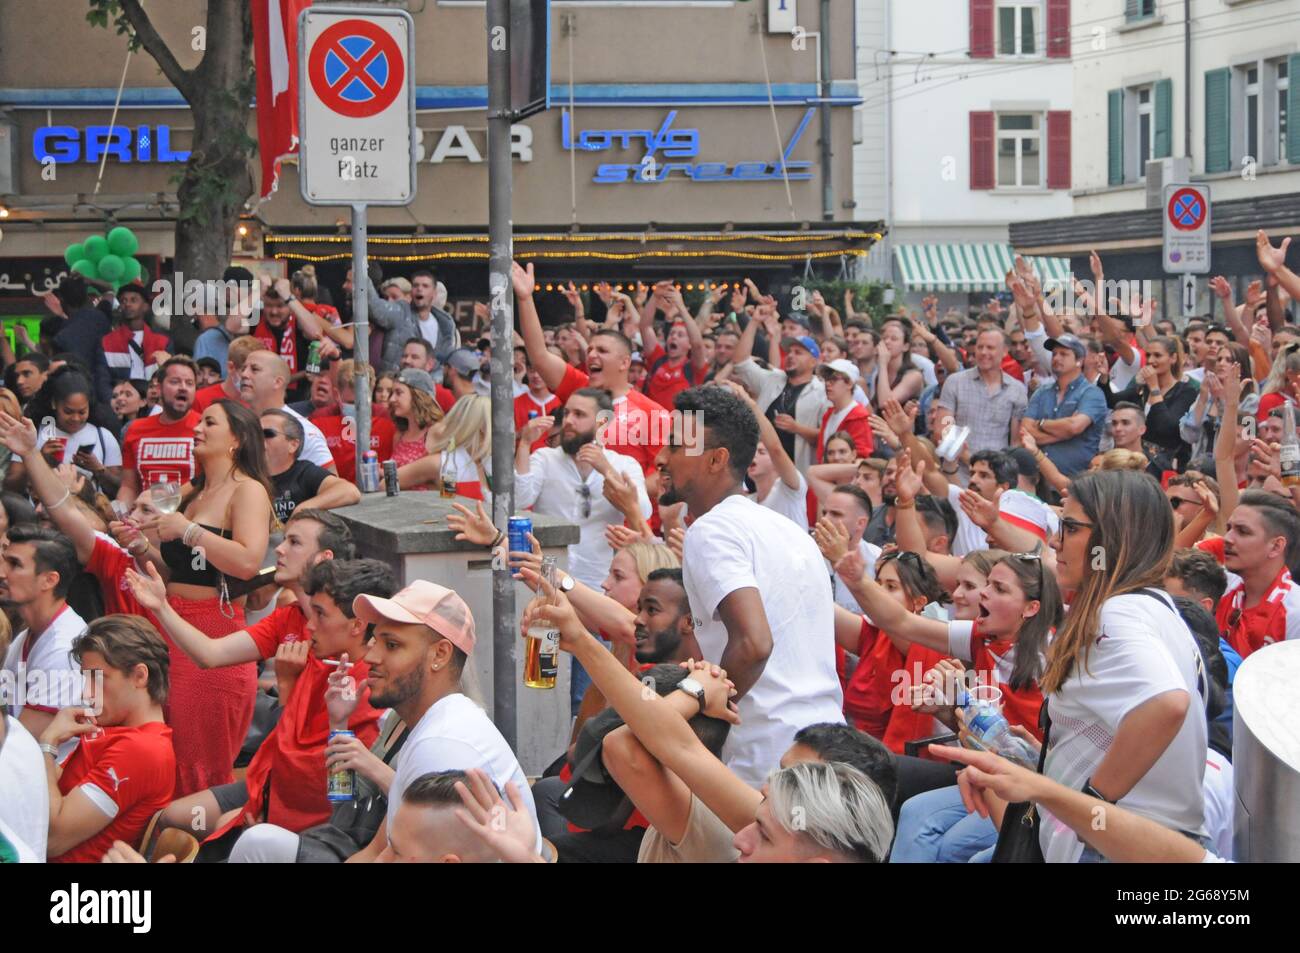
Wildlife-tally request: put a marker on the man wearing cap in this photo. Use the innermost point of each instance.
(986, 398)
(1065, 419)
(402, 320)
(640, 425)
(458, 372)
(793, 399)
(423, 639)
(262, 384)
(840, 377)
(134, 350)
(417, 354)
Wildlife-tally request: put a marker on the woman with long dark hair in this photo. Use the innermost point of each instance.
(1162, 394)
(218, 534)
(1123, 677)
(70, 436)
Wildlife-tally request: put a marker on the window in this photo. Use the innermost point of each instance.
(1020, 153)
(1145, 131)
(1139, 9)
(1018, 29)
(1283, 86)
(1251, 112)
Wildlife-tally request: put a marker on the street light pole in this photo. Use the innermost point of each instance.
(505, 637)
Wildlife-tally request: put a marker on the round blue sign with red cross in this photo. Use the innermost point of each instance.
(356, 68)
(1187, 210)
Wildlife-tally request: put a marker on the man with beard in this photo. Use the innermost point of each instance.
(424, 637)
(161, 447)
(640, 425)
(568, 481)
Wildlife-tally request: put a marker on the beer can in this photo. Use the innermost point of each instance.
(390, 478)
(341, 783)
(517, 531)
(313, 358)
(532, 414)
(370, 472)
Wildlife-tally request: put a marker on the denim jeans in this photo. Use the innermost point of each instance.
(935, 827)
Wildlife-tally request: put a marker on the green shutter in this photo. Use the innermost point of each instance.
(1218, 126)
(1115, 137)
(1164, 117)
(1132, 10)
(1293, 108)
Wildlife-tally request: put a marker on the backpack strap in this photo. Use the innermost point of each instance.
(1202, 681)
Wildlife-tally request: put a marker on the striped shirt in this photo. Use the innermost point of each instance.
(989, 415)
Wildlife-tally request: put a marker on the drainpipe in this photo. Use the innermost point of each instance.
(828, 192)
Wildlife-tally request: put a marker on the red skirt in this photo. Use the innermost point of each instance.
(209, 710)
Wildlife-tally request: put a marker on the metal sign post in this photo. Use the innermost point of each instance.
(356, 108)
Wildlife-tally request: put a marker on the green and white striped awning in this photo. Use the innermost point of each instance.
(974, 268)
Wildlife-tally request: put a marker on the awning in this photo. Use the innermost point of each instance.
(972, 268)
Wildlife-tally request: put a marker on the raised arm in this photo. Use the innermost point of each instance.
(1054, 477)
(785, 468)
(20, 437)
(550, 366)
(233, 649)
(1273, 261)
(1225, 444)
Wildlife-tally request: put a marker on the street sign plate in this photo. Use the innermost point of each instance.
(357, 106)
(1186, 215)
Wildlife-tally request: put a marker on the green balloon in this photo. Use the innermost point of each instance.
(111, 268)
(96, 247)
(131, 270)
(122, 242)
(74, 253)
(86, 268)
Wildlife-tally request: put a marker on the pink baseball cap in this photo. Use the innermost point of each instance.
(423, 603)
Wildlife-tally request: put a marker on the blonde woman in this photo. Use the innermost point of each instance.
(414, 411)
(465, 436)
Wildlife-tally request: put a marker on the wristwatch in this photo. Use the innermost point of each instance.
(693, 688)
(566, 583)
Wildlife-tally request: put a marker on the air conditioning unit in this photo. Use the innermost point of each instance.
(1161, 172)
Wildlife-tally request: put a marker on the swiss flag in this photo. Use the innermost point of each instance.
(275, 58)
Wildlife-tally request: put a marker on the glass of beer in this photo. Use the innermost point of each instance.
(447, 472)
(542, 641)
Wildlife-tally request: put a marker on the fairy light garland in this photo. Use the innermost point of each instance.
(603, 256)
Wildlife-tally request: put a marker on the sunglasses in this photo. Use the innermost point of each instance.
(268, 433)
(903, 556)
(1177, 501)
(584, 492)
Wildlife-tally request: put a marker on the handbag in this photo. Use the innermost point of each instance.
(1018, 836)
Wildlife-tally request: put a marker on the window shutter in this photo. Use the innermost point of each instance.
(982, 173)
(1115, 137)
(981, 29)
(1164, 119)
(1132, 9)
(1058, 29)
(1293, 108)
(1058, 149)
(1218, 114)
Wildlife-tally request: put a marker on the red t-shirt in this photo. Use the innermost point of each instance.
(286, 777)
(905, 724)
(1011, 366)
(526, 403)
(444, 398)
(108, 563)
(341, 438)
(666, 380)
(868, 698)
(129, 771)
(640, 427)
(994, 660)
(155, 449)
(207, 396)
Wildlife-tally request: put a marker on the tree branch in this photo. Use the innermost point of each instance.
(157, 48)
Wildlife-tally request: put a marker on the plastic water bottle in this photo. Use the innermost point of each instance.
(990, 728)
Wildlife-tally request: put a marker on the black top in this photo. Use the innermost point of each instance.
(298, 483)
(187, 564)
(1162, 420)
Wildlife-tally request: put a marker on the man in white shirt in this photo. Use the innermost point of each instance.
(424, 637)
(568, 481)
(36, 570)
(757, 585)
(24, 792)
(849, 506)
(262, 384)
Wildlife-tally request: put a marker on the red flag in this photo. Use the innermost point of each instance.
(275, 58)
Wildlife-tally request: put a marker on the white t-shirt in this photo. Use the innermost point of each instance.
(1015, 506)
(741, 545)
(1220, 802)
(24, 793)
(101, 443)
(788, 502)
(456, 734)
(1143, 649)
(429, 330)
(839, 591)
(314, 447)
(50, 678)
(1121, 374)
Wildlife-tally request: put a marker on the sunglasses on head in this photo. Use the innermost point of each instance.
(903, 556)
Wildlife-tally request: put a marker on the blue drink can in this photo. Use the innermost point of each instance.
(341, 784)
(370, 472)
(517, 531)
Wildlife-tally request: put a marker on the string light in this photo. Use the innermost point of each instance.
(640, 238)
(603, 256)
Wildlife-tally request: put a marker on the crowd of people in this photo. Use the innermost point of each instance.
(845, 589)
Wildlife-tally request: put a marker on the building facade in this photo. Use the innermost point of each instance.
(975, 100)
(741, 84)
(1160, 99)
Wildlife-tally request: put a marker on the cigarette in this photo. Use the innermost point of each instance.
(331, 661)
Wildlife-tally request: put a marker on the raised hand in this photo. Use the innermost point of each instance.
(531, 561)
(676, 541)
(474, 527)
(530, 432)
(621, 492)
(341, 695)
(149, 590)
(718, 690)
(1270, 259)
(983, 513)
(19, 435)
(620, 537)
(1027, 439)
(1222, 290)
(910, 480)
(507, 830)
(523, 279)
(832, 539)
